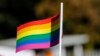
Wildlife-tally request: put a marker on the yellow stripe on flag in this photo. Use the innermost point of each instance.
(43, 26)
(38, 31)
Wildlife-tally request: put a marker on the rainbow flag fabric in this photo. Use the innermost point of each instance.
(40, 34)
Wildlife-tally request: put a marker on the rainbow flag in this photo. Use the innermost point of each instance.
(40, 34)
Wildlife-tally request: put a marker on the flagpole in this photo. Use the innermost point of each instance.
(61, 28)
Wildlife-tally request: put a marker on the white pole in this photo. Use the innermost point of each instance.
(61, 28)
(64, 51)
(78, 50)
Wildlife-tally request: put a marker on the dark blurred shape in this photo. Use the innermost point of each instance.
(97, 46)
(14, 13)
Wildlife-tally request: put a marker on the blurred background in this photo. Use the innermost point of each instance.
(81, 25)
(83, 17)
